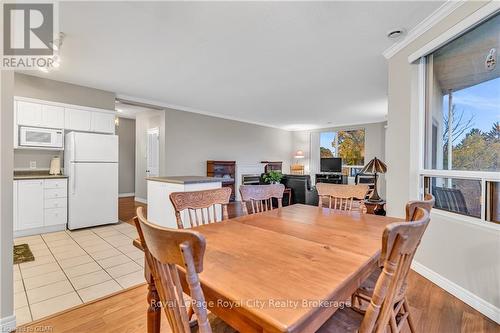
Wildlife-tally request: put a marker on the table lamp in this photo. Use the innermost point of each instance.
(297, 168)
(375, 166)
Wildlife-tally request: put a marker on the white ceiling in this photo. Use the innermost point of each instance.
(292, 65)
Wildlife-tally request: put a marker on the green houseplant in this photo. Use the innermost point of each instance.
(273, 177)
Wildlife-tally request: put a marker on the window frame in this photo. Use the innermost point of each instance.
(421, 132)
(336, 130)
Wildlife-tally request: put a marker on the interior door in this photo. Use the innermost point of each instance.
(153, 153)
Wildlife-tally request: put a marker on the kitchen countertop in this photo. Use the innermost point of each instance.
(186, 179)
(40, 174)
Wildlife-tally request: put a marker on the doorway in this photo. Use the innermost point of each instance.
(153, 152)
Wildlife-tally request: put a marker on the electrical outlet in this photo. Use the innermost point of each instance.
(32, 164)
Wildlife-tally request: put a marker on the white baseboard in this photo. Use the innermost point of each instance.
(141, 200)
(486, 308)
(8, 324)
(40, 230)
(123, 195)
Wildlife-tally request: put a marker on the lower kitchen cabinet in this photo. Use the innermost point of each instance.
(40, 205)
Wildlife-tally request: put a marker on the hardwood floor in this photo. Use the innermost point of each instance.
(127, 208)
(433, 309)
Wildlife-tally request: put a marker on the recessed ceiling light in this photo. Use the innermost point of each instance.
(118, 110)
(396, 33)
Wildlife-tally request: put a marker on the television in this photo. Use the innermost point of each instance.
(331, 164)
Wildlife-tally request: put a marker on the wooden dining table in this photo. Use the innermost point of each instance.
(284, 270)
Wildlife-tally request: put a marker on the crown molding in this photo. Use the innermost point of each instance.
(159, 105)
(480, 15)
(430, 21)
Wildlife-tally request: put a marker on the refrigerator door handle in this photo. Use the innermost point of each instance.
(73, 174)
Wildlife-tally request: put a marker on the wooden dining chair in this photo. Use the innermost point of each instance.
(201, 206)
(426, 204)
(165, 249)
(260, 197)
(342, 197)
(399, 243)
(364, 293)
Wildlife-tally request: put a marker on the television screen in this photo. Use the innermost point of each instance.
(333, 164)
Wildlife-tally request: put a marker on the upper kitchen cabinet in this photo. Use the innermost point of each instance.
(103, 122)
(46, 114)
(52, 116)
(29, 114)
(39, 115)
(78, 120)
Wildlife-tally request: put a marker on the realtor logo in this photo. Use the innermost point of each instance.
(28, 29)
(28, 40)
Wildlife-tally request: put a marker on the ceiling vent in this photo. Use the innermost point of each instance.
(396, 33)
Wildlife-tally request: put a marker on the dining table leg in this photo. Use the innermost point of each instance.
(154, 308)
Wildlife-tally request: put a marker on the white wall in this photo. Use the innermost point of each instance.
(192, 139)
(374, 145)
(7, 319)
(126, 163)
(23, 157)
(62, 92)
(460, 255)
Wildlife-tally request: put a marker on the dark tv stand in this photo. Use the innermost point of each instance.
(331, 178)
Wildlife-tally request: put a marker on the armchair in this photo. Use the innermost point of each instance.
(302, 192)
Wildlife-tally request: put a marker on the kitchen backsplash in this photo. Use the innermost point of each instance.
(25, 159)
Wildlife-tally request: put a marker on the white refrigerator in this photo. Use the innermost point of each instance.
(91, 163)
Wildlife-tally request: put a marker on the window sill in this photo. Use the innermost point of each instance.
(467, 220)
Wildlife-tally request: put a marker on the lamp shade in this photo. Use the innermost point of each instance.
(375, 166)
(299, 154)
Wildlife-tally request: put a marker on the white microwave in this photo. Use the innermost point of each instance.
(40, 137)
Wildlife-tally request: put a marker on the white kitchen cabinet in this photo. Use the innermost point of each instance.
(77, 120)
(55, 216)
(39, 115)
(47, 114)
(52, 116)
(55, 183)
(30, 204)
(29, 114)
(40, 205)
(103, 122)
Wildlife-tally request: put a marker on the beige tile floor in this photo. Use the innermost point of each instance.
(75, 267)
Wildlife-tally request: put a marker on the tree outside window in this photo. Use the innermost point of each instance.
(346, 144)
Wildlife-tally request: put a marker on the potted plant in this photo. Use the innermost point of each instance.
(273, 177)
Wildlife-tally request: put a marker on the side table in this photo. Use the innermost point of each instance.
(375, 207)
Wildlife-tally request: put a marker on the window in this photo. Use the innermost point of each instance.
(462, 196)
(462, 123)
(348, 145)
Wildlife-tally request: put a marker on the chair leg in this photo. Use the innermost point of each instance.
(190, 312)
(393, 324)
(406, 307)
